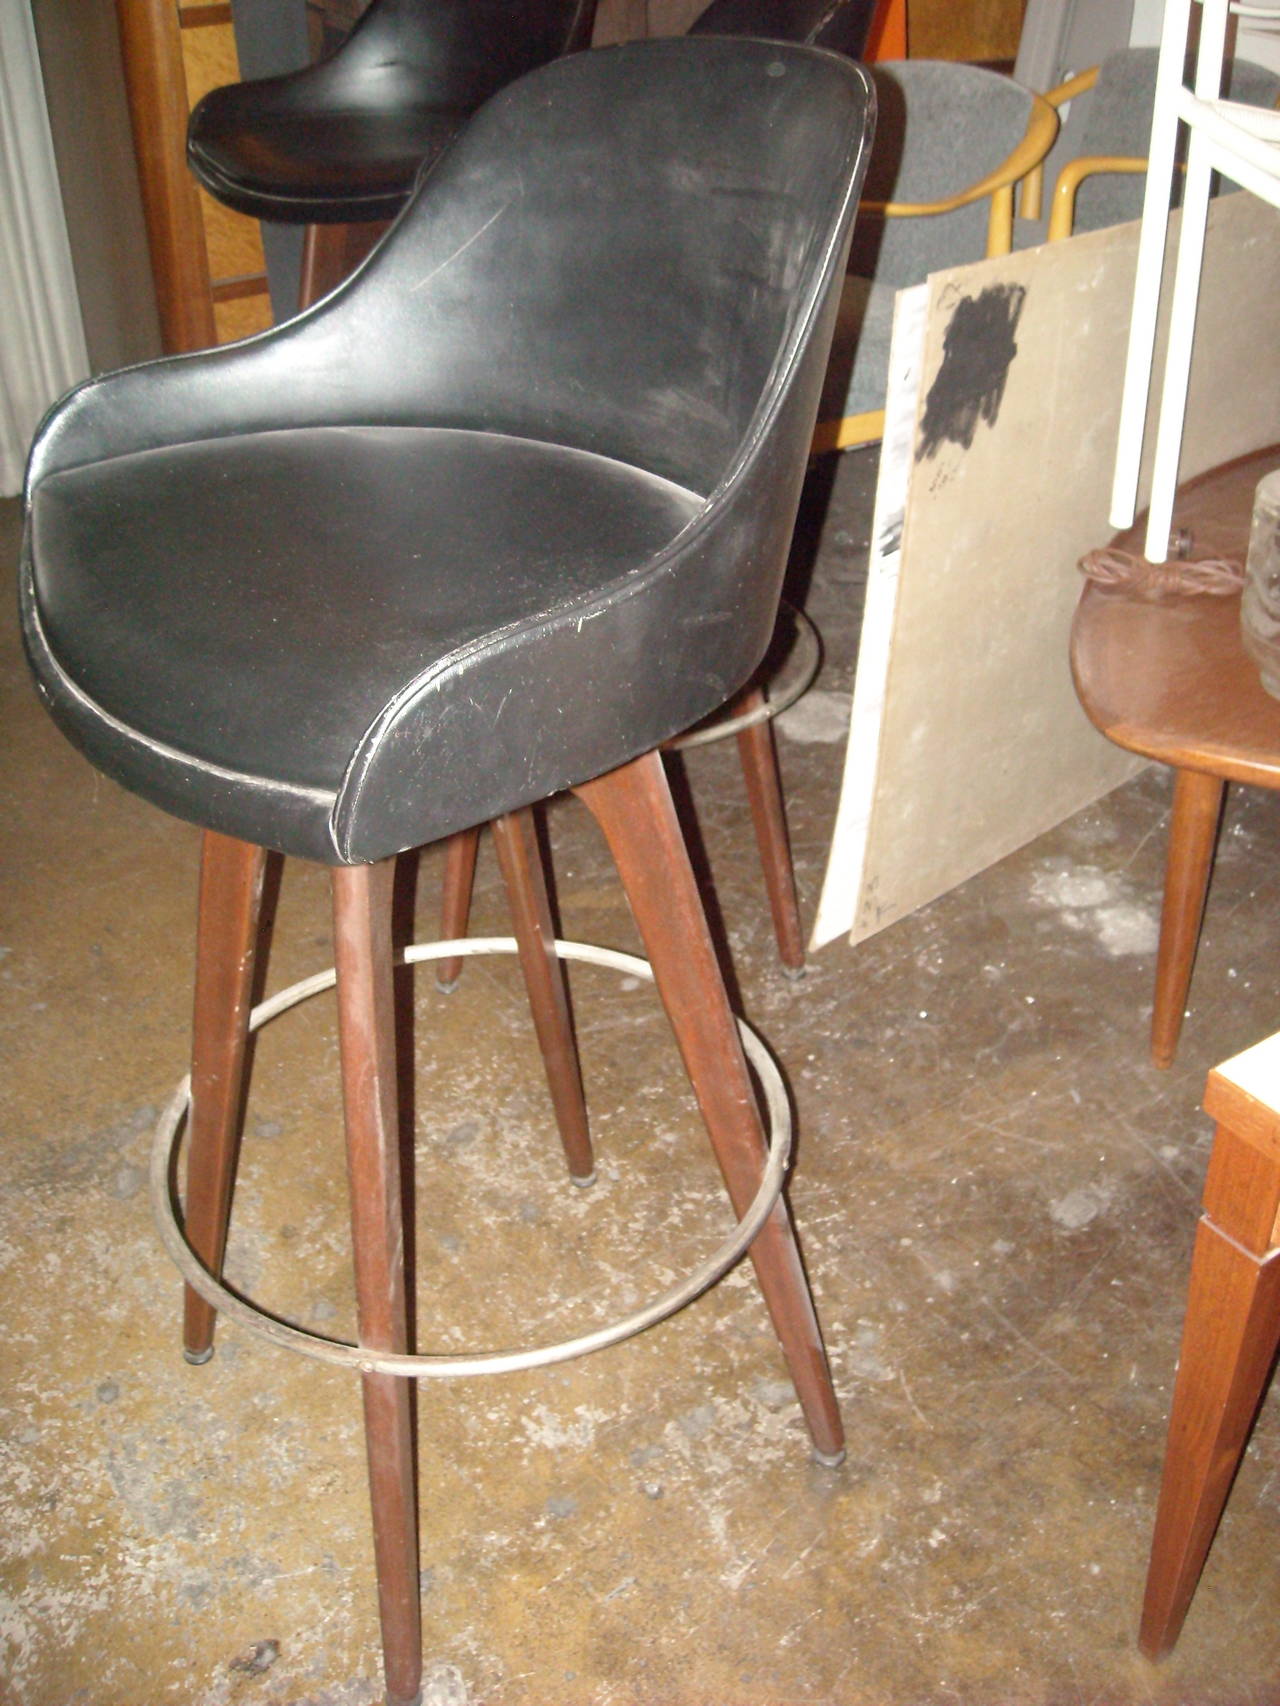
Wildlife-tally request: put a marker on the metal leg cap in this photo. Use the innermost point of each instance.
(795, 973)
(446, 986)
(584, 1180)
(197, 1359)
(829, 1459)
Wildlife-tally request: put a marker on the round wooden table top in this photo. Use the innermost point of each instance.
(1168, 676)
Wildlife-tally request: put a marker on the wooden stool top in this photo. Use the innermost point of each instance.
(1168, 676)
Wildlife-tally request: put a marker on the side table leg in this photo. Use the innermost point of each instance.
(1193, 829)
(1228, 1345)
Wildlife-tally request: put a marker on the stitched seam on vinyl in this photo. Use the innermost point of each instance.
(162, 749)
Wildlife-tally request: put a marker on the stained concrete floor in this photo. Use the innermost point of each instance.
(996, 1195)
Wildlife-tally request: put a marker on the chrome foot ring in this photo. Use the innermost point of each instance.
(433, 1366)
(792, 684)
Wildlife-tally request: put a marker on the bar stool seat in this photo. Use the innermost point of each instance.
(189, 697)
(277, 159)
(343, 140)
(496, 518)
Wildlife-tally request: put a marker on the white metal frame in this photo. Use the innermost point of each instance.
(1243, 143)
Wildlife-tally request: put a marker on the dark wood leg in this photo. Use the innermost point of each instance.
(324, 249)
(1197, 806)
(515, 838)
(1228, 1344)
(366, 1033)
(764, 792)
(231, 876)
(330, 252)
(455, 899)
(633, 807)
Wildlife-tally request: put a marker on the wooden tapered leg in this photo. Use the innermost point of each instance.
(1228, 1344)
(330, 252)
(324, 251)
(759, 758)
(455, 899)
(1193, 828)
(366, 1033)
(633, 807)
(231, 877)
(516, 841)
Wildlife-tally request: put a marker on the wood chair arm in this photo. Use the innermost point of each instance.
(1080, 84)
(1062, 212)
(847, 431)
(1036, 141)
(1033, 183)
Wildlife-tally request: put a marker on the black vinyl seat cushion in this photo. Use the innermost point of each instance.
(414, 560)
(508, 509)
(343, 141)
(307, 167)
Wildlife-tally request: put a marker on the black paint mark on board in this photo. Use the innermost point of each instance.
(977, 351)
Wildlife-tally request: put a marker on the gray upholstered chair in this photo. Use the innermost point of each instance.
(952, 141)
(1098, 165)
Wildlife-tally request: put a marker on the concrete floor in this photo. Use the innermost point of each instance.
(996, 1195)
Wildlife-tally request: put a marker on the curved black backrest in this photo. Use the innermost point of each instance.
(622, 252)
(841, 25)
(613, 261)
(448, 52)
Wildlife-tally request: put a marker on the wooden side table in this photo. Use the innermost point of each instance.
(1169, 678)
(1229, 1338)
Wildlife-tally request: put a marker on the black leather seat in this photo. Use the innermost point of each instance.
(342, 141)
(501, 514)
(288, 703)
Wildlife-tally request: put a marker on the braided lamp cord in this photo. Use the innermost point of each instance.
(1217, 577)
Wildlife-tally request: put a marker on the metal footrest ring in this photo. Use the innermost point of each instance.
(439, 1366)
(791, 685)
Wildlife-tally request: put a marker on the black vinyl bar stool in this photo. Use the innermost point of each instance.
(842, 27)
(338, 146)
(497, 518)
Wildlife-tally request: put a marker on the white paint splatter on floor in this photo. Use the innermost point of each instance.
(820, 716)
(1087, 899)
(1078, 1208)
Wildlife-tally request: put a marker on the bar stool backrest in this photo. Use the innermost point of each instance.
(604, 266)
